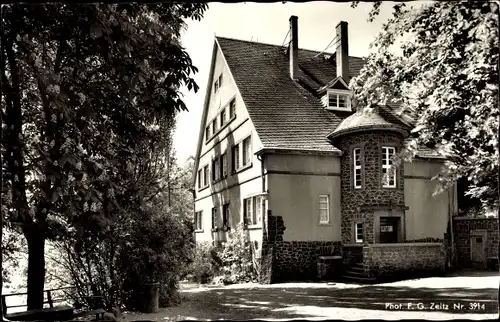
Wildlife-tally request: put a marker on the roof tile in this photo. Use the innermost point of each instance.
(287, 113)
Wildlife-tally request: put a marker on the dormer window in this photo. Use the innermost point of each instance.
(338, 100)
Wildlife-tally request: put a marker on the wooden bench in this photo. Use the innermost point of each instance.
(52, 313)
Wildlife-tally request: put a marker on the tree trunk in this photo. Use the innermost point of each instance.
(1, 218)
(36, 269)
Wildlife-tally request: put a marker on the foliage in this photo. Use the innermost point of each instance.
(149, 245)
(147, 256)
(205, 264)
(446, 79)
(12, 246)
(88, 93)
(237, 258)
(229, 263)
(146, 244)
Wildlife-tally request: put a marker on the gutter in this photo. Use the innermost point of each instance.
(303, 151)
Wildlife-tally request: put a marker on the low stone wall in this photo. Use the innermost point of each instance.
(461, 229)
(298, 260)
(394, 261)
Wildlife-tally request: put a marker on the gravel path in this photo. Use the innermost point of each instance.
(466, 295)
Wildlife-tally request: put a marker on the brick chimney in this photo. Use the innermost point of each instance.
(293, 48)
(342, 51)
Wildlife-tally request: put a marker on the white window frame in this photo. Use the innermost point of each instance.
(214, 217)
(232, 110)
(235, 158)
(358, 239)
(257, 207)
(198, 220)
(357, 168)
(387, 167)
(223, 120)
(200, 175)
(246, 157)
(223, 165)
(216, 169)
(337, 93)
(220, 80)
(324, 205)
(218, 83)
(224, 207)
(215, 126)
(206, 175)
(207, 133)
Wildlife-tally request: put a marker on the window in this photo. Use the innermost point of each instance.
(198, 220)
(223, 117)
(253, 209)
(358, 233)
(216, 86)
(338, 100)
(324, 209)
(247, 151)
(356, 156)
(388, 171)
(207, 133)
(205, 175)
(218, 83)
(199, 179)
(223, 165)
(214, 125)
(225, 216)
(220, 80)
(215, 169)
(235, 157)
(214, 218)
(232, 108)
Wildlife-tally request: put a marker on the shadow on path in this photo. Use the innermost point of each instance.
(456, 294)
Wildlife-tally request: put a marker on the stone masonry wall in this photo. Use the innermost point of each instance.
(290, 260)
(298, 260)
(403, 260)
(462, 228)
(372, 194)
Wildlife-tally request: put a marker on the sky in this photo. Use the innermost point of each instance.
(266, 23)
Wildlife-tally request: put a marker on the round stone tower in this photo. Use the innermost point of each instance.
(372, 187)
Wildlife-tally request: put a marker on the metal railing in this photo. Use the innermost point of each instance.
(50, 300)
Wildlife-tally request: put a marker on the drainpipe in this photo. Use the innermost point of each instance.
(263, 176)
(193, 192)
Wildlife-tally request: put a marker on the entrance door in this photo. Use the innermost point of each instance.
(478, 249)
(389, 227)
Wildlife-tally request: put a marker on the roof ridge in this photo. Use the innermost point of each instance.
(279, 46)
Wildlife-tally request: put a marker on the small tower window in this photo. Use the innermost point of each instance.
(388, 170)
(356, 156)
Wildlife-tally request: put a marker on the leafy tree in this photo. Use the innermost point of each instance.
(146, 244)
(87, 91)
(446, 79)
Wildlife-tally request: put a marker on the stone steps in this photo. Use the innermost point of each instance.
(356, 273)
(359, 279)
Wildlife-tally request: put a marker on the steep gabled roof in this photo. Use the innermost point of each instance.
(285, 114)
(288, 114)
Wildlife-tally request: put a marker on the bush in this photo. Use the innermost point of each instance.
(230, 263)
(237, 258)
(154, 252)
(147, 247)
(206, 263)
